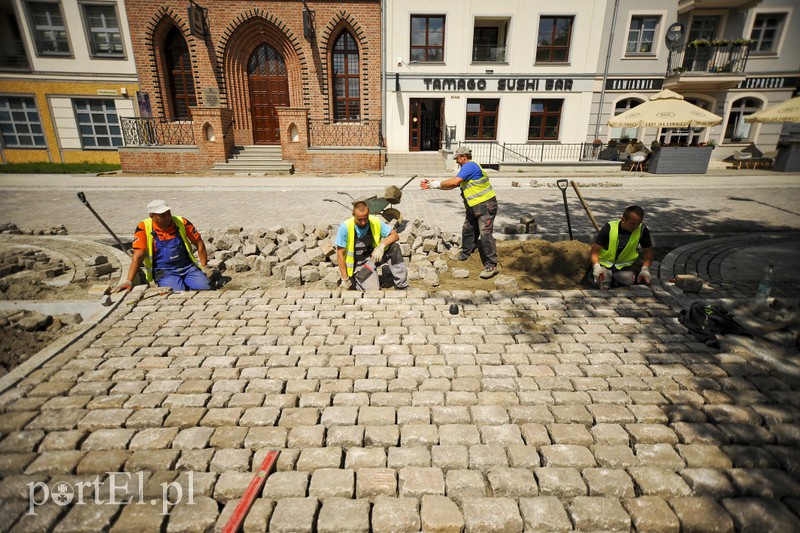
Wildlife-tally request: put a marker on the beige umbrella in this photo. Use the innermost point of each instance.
(788, 111)
(665, 110)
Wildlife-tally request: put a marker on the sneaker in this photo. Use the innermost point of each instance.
(489, 272)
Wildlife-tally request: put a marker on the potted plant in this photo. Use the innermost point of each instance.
(699, 43)
(597, 142)
(736, 139)
(655, 146)
(711, 142)
(625, 139)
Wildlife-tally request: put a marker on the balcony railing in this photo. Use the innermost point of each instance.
(363, 133)
(712, 57)
(489, 53)
(494, 153)
(154, 132)
(12, 55)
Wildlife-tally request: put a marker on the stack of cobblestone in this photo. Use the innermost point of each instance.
(14, 230)
(16, 260)
(300, 254)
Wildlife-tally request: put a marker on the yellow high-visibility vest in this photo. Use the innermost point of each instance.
(628, 256)
(148, 259)
(350, 256)
(477, 191)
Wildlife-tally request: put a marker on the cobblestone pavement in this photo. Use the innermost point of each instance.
(546, 411)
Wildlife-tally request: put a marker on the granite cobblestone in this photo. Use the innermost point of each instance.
(612, 418)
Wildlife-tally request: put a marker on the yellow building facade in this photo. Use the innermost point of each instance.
(67, 76)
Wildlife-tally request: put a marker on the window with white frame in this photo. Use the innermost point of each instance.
(642, 35)
(621, 107)
(766, 33)
(737, 130)
(19, 123)
(47, 25)
(98, 123)
(102, 24)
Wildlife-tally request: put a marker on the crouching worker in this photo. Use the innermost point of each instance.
(615, 251)
(362, 244)
(162, 243)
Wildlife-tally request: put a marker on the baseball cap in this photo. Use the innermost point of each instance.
(157, 207)
(462, 150)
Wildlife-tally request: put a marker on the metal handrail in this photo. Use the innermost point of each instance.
(708, 57)
(138, 131)
(489, 153)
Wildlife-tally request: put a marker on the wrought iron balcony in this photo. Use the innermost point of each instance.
(12, 55)
(709, 57)
(488, 53)
(139, 131)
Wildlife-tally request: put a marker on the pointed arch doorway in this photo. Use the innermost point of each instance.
(269, 89)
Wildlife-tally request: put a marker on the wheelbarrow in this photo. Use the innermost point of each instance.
(380, 205)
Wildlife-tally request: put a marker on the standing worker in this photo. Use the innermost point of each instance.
(614, 254)
(362, 243)
(481, 209)
(162, 243)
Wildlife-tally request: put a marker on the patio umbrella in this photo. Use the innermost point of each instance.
(665, 110)
(788, 111)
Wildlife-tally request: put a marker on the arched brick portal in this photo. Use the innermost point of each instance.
(239, 41)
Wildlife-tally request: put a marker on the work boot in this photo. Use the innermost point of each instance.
(489, 272)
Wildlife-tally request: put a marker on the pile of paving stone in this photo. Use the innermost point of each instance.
(14, 230)
(300, 254)
(16, 260)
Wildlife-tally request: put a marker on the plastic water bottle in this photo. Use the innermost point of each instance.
(765, 285)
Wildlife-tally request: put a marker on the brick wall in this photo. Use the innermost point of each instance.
(235, 30)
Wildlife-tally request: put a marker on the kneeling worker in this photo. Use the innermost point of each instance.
(162, 243)
(364, 242)
(614, 252)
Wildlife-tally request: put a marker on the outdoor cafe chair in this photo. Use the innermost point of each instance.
(637, 158)
(742, 157)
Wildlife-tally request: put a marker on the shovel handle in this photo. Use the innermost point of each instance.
(562, 184)
(82, 198)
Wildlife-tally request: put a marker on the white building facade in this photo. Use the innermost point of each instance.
(504, 71)
(541, 77)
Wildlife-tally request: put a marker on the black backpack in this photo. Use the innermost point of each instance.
(705, 321)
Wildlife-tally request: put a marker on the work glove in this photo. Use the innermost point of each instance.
(345, 284)
(597, 272)
(377, 253)
(211, 273)
(644, 276)
(431, 184)
(124, 286)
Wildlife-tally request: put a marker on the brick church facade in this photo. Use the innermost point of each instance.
(255, 73)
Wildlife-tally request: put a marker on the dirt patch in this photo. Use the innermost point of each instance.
(24, 333)
(30, 285)
(534, 264)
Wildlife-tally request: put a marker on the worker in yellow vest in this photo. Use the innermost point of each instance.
(480, 203)
(163, 244)
(363, 243)
(615, 251)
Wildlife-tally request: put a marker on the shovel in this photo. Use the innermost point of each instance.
(84, 201)
(563, 184)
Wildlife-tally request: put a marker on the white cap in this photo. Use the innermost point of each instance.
(157, 207)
